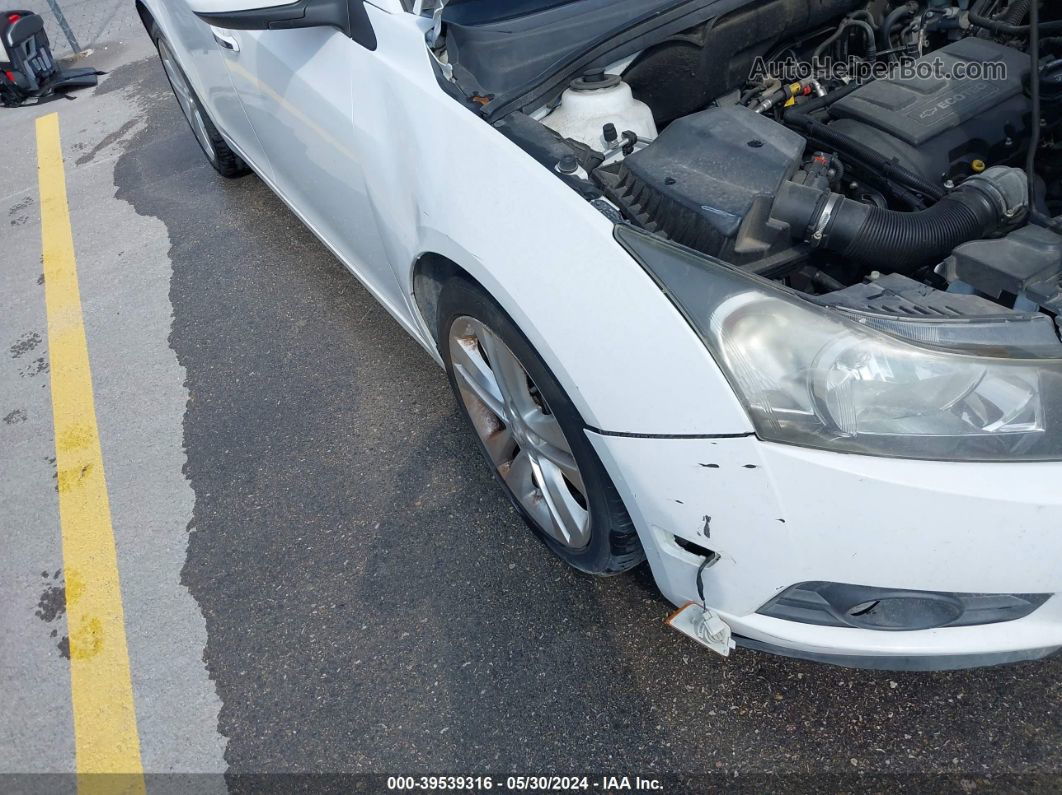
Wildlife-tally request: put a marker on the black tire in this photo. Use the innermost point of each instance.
(614, 546)
(218, 153)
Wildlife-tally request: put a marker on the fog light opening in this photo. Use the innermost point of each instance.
(834, 604)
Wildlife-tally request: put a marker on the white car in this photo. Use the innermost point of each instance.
(791, 338)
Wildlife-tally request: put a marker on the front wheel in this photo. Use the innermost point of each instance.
(217, 151)
(532, 435)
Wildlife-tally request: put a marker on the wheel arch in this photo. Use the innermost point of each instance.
(430, 272)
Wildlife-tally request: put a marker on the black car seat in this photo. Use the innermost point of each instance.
(30, 70)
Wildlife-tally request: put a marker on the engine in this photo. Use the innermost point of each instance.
(915, 139)
(940, 126)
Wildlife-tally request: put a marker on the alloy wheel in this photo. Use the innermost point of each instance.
(523, 438)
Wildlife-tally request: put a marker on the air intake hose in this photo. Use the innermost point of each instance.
(1016, 12)
(898, 241)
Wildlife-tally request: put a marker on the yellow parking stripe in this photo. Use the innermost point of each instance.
(105, 733)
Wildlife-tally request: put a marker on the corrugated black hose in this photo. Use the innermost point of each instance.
(902, 242)
(906, 242)
(1016, 12)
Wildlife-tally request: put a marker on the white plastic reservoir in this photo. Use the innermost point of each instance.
(594, 101)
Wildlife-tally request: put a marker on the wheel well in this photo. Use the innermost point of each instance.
(430, 272)
(145, 16)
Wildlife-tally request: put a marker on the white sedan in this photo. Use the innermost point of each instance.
(789, 337)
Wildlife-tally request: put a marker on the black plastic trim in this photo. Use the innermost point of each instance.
(831, 604)
(350, 16)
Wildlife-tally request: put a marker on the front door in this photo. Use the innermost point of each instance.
(298, 89)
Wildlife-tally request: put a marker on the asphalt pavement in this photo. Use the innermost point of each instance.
(318, 571)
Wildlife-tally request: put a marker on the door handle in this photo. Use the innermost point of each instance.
(225, 39)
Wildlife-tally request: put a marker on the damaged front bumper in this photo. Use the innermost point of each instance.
(778, 516)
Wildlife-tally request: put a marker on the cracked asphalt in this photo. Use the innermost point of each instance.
(318, 571)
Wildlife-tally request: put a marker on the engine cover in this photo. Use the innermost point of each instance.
(937, 122)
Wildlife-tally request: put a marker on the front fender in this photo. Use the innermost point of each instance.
(628, 360)
(442, 180)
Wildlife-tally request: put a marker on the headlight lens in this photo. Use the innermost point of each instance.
(810, 376)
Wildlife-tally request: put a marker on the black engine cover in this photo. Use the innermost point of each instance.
(937, 124)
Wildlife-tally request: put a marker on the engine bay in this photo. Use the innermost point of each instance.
(885, 158)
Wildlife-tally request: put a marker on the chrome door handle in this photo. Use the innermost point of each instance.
(225, 39)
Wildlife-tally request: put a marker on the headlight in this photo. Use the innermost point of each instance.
(811, 376)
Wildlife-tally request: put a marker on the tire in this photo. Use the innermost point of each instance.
(471, 325)
(219, 154)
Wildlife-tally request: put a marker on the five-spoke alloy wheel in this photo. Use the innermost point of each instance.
(532, 434)
(522, 436)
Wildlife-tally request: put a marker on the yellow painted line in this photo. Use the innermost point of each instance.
(105, 733)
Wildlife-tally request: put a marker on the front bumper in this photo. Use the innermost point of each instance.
(778, 515)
